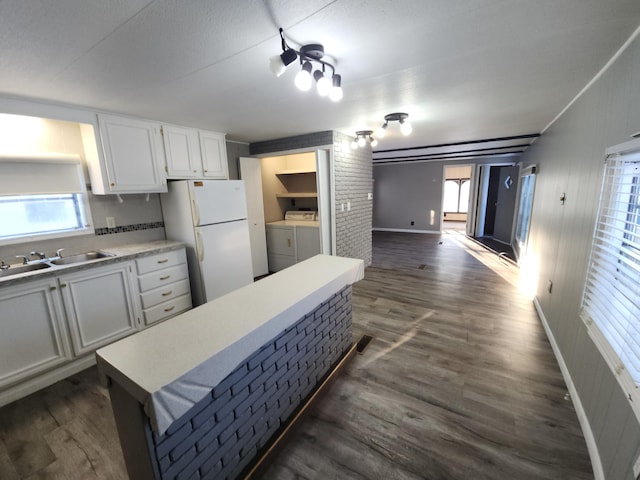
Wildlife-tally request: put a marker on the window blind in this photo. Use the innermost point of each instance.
(41, 174)
(611, 300)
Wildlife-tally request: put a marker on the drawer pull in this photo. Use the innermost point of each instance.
(166, 277)
(166, 294)
(163, 261)
(168, 309)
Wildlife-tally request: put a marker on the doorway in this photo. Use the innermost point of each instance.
(525, 205)
(495, 207)
(455, 196)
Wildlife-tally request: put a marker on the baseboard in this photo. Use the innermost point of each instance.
(401, 230)
(32, 385)
(592, 447)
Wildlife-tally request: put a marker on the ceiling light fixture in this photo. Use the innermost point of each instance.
(405, 126)
(326, 86)
(361, 138)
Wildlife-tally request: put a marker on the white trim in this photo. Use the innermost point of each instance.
(403, 230)
(624, 46)
(24, 388)
(589, 437)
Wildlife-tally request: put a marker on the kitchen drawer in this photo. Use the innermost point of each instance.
(160, 261)
(162, 277)
(165, 293)
(167, 309)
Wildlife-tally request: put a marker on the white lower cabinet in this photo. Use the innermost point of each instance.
(163, 282)
(99, 306)
(49, 327)
(34, 337)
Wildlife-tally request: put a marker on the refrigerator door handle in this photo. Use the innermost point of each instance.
(199, 247)
(196, 212)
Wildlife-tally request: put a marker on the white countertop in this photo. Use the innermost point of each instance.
(171, 366)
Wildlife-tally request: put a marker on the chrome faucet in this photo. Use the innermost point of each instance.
(40, 255)
(3, 266)
(59, 252)
(24, 258)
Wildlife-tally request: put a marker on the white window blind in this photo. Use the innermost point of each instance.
(611, 301)
(41, 174)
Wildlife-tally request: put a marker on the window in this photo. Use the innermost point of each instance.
(456, 195)
(42, 197)
(611, 302)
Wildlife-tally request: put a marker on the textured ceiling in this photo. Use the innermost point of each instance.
(464, 70)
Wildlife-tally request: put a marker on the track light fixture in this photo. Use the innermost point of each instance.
(361, 138)
(405, 126)
(326, 86)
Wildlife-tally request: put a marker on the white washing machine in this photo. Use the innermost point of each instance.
(293, 239)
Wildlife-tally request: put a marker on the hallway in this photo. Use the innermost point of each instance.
(459, 381)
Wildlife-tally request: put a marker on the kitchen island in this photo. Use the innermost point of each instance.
(200, 396)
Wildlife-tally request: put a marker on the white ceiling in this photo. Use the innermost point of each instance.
(464, 70)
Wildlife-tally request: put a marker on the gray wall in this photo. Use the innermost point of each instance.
(570, 160)
(353, 181)
(235, 150)
(408, 192)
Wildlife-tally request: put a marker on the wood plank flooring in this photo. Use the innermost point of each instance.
(458, 382)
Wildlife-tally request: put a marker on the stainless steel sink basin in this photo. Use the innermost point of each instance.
(22, 269)
(82, 257)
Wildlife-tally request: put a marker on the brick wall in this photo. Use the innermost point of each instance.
(353, 181)
(220, 436)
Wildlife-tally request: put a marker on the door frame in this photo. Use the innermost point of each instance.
(471, 182)
(478, 196)
(324, 158)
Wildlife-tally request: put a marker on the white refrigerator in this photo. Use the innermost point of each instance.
(210, 217)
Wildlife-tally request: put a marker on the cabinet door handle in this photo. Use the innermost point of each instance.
(166, 277)
(52, 288)
(168, 309)
(163, 260)
(289, 242)
(62, 285)
(166, 294)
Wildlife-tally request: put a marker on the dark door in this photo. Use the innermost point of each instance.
(506, 204)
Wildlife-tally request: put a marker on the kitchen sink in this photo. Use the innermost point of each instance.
(22, 269)
(81, 257)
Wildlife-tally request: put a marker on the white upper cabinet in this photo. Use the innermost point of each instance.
(133, 157)
(182, 152)
(192, 153)
(214, 155)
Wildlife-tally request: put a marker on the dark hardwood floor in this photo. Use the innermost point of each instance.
(459, 382)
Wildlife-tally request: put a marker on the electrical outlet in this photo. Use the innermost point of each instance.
(111, 222)
(348, 206)
(412, 223)
(636, 467)
(342, 207)
(369, 196)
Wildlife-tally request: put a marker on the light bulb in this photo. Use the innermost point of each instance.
(374, 143)
(405, 128)
(336, 94)
(381, 132)
(362, 141)
(324, 86)
(336, 90)
(354, 144)
(303, 78)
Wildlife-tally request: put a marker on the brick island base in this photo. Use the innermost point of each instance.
(221, 436)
